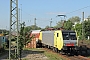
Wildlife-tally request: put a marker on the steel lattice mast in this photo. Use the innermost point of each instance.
(13, 25)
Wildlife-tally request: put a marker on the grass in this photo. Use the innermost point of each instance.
(53, 56)
(49, 55)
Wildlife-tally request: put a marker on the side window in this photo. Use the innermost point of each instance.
(57, 34)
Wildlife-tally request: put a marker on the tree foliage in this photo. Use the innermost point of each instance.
(78, 28)
(32, 27)
(73, 23)
(59, 24)
(46, 27)
(68, 25)
(3, 31)
(74, 19)
(87, 28)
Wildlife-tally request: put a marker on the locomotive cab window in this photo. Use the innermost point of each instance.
(69, 36)
(65, 35)
(73, 36)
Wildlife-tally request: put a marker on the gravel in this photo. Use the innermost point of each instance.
(33, 55)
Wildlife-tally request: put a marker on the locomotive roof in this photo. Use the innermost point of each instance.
(67, 31)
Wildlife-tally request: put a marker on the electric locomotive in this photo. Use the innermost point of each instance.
(59, 40)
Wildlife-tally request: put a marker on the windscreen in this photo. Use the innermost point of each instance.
(69, 36)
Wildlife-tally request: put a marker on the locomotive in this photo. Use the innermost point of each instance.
(59, 40)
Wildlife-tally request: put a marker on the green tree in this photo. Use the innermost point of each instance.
(78, 28)
(59, 24)
(74, 19)
(46, 27)
(23, 38)
(27, 29)
(68, 25)
(3, 31)
(88, 18)
(32, 27)
(87, 28)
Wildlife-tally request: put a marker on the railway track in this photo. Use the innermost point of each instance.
(68, 57)
(76, 57)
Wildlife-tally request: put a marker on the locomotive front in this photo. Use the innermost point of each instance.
(70, 41)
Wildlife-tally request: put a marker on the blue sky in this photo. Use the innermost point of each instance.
(43, 11)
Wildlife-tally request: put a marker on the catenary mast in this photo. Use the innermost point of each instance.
(13, 27)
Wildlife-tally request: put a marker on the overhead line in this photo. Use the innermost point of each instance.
(78, 10)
